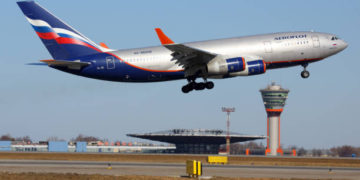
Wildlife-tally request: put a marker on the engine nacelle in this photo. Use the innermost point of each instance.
(256, 67)
(237, 66)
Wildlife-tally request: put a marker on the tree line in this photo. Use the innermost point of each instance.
(259, 149)
(27, 139)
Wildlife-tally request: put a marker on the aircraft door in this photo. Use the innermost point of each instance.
(267, 46)
(110, 62)
(316, 41)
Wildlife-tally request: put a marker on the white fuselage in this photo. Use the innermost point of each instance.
(292, 48)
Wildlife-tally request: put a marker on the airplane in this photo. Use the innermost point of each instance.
(74, 53)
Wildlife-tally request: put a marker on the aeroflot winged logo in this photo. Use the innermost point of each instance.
(291, 37)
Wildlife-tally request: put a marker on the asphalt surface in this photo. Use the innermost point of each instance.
(171, 169)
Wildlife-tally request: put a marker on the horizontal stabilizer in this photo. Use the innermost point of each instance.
(37, 64)
(77, 65)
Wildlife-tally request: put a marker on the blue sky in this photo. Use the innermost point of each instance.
(321, 111)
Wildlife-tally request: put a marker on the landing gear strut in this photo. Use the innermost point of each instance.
(305, 74)
(192, 85)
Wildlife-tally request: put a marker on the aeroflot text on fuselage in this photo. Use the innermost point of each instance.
(74, 53)
(290, 37)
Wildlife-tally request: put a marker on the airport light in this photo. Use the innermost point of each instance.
(228, 111)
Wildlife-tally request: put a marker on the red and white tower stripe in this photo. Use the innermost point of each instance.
(274, 98)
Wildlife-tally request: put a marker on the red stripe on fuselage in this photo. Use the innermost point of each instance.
(151, 70)
(290, 61)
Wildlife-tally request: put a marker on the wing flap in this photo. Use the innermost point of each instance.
(191, 59)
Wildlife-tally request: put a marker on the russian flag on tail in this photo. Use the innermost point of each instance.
(62, 41)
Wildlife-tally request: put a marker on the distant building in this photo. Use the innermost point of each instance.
(196, 141)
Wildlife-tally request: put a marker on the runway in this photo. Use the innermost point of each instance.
(176, 169)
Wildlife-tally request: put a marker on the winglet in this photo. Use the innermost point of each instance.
(104, 45)
(163, 38)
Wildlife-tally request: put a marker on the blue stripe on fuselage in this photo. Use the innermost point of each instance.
(122, 71)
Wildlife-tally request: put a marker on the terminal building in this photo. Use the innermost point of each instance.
(63, 146)
(196, 141)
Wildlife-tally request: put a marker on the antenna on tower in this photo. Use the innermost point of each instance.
(228, 111)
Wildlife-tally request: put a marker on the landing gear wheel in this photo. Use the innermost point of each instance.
(305, 74)
(209, 85)
(189, 87)
(192, 85)
(185, 89)
(199, 86)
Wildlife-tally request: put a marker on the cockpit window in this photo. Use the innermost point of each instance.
(334, 38)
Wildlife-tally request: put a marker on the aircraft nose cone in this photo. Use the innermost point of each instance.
(344, 45)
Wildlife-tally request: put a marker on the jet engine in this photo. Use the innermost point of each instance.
(236, 66)
(256, 67)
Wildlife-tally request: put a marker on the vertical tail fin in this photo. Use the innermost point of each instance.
(61, 40)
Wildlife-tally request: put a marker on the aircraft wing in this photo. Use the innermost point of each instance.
(191, 59)
(77, 65)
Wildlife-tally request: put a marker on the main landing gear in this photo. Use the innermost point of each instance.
(305, 74)
(192, 85)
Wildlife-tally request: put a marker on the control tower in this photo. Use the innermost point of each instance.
(274, 97)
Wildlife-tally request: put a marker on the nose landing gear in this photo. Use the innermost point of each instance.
(305, 74)
(192, 85)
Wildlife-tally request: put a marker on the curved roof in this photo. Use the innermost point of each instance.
(196, 136)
